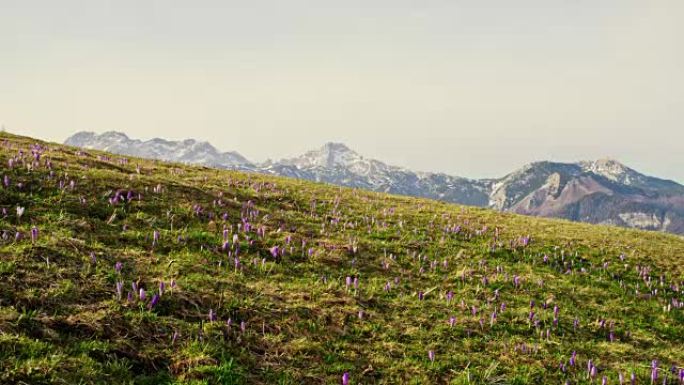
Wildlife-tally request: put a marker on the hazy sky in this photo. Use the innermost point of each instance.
(473, 88)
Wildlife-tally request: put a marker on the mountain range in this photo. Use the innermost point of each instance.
(602, 191)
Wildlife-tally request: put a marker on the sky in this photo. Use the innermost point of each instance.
(472, 88)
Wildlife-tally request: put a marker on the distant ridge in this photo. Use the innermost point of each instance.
(187, 151)
(602, 191)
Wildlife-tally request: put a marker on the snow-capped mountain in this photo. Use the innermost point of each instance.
(186, 151)
(335, 163)
(602, 191)
(331, 155)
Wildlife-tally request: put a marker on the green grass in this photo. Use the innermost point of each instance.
(61, 320)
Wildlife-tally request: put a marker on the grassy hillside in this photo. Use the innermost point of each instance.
(134, 271)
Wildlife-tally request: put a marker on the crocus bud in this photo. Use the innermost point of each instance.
(153, 302)
(34, 234)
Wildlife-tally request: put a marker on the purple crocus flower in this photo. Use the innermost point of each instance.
(345, 378)
(119, 290)
(142, 295)
(162, 287)
(153, 301)
(34, 234)
(118, 266)
(431, 355)
(212, 315)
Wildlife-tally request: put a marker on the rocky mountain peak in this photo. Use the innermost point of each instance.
(607, 167)
(330, 155)
(186, 151)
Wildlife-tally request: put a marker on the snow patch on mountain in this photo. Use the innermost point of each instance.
(614, 171)
(641, 220)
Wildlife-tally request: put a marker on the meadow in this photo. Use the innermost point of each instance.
(118, 270)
